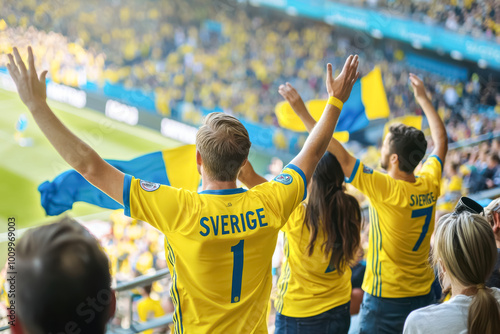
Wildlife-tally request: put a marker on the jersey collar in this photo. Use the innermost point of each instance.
(223, 191)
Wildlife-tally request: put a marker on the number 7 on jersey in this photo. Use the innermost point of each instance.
(427, 213)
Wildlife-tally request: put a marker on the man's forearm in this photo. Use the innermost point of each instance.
(250, 178)
(339, 90)
(334, 146)
(73, 150)
(304, 115)
(322, 132)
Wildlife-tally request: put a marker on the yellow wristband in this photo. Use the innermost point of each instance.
(335, 102)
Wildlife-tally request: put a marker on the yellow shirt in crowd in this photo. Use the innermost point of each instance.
(401, 224)
(220, 245)
(307, 285)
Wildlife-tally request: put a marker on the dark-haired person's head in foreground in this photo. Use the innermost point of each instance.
(403, 148)
(63, 282)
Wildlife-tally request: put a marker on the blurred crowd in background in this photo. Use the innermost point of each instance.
(213, 55)
(197, 56)
(478, 18)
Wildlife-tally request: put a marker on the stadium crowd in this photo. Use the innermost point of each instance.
(221, 55)
(478, 18)
(212, 51)
(240, 73)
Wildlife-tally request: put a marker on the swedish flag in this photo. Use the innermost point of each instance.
(175, 167)
(367, 102)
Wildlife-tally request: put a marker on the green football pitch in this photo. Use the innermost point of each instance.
(22, 169)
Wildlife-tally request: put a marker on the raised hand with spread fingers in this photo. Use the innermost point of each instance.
(86, 161)
(30, 86)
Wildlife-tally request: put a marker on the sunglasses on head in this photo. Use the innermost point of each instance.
(465, 204)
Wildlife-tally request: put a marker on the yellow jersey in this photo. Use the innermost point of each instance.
(307, 285)
(452, 191)
(147, 309)
(401, 224)
(220, 246)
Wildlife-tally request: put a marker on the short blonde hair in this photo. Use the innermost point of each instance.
(224, 144)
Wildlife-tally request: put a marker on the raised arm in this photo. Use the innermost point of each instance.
(346, 160)
(438, 130)
(249, 177)
(32, 91)
(339, 90)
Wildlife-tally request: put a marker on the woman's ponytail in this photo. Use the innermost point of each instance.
(484, 315)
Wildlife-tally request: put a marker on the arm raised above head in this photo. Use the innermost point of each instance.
(438, 130)
(86, 161)
(249, 177)
(346, 160)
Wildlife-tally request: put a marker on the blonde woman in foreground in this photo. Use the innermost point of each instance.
(465, 254)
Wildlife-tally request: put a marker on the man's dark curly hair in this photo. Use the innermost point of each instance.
(409, 144)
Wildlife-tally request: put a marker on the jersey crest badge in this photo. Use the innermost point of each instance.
(284, 178)
(149, 186)
(367, 170)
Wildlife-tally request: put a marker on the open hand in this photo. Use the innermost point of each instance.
(289, 93)
(341, 86)
(418, 86)
(31, 88)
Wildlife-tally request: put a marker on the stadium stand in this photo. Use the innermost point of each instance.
(478, 18)
(213, 52)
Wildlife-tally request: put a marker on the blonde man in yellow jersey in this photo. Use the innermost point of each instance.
(398, 276)
(322, 238)
(220, 241)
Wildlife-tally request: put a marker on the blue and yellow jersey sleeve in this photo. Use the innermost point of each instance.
(166, 208)
(373, 183)
(290, 187)
(433, 170)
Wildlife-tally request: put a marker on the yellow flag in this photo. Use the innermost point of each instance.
(415, 121)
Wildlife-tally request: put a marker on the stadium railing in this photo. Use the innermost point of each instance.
(486, 194)
(474, 141)
(136, 283)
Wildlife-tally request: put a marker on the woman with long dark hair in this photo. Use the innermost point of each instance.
(322, 239)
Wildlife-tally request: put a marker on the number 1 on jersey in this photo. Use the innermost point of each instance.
(427, 212)
(237, 251)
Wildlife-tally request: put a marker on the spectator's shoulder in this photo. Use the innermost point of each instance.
(422, 320)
